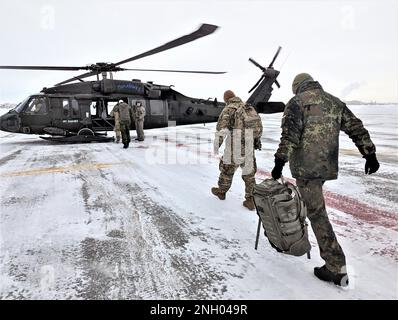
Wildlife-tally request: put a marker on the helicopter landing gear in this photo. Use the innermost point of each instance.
(79, 139)
(85, 135)
(86, 132)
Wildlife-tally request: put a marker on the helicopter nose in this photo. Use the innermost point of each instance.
(9, 123)
(2, 123)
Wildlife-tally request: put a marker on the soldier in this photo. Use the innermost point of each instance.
(118, 134)
(311, 124)
(239, 146)
(139, 116)
(125, 114)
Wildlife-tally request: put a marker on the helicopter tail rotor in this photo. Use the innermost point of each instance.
(264, 70)
(263, 87)
(275, 56)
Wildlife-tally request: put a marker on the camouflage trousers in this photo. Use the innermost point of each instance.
(118, 135)
(139, 127)
(125, 130)
(227, 172)
(330, 250)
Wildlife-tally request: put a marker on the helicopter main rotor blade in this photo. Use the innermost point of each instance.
(182, 71)
(82, 76)
(204, 30)
(51, 68)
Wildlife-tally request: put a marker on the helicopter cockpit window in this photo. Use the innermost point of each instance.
(36, 106)
(20, 106)
(65, 106)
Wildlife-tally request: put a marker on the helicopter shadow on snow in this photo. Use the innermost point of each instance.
(35, 142)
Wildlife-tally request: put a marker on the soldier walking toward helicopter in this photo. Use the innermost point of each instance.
(241, 128)
(118, 133)
(125, 114)
(311, 124)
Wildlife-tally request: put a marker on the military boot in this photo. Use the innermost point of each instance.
(339, 279)
(217, 192)
(249, 204)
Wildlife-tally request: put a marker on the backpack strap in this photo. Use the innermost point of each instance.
(296, 192)
(279, 198)
(233, 115)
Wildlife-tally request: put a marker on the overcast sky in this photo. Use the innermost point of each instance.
(351, 47)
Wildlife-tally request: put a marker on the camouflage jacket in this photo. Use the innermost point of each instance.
(311, 124)
(139, 113)
(125, 112)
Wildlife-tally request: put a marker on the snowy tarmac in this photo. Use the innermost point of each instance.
(95, 221)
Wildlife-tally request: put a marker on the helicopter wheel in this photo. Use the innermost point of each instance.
(86, 132)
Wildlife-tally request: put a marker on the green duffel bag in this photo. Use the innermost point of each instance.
(282, 213)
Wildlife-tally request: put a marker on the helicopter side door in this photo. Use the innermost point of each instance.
(66, 114)
(158, 114)
(35, 115)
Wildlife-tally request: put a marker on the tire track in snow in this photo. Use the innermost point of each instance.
(143, 253)
(9, 157)
(26, 263)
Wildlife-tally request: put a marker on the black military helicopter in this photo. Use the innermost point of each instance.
(80, 111)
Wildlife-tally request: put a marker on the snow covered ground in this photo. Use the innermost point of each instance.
(95, 221)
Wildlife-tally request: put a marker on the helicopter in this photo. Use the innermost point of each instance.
(76, 110)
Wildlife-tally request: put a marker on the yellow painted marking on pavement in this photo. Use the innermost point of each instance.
(79, 167)
(350, 152)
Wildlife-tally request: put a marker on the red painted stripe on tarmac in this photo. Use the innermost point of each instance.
(353, 207)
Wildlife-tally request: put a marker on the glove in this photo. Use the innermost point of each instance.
(257, 144)
(371, 165)
(277, 171)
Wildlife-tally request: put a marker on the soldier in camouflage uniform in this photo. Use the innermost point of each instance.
(118, 133)
(139, 116)
(125, 114)
(237, 153)
(311, 124)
